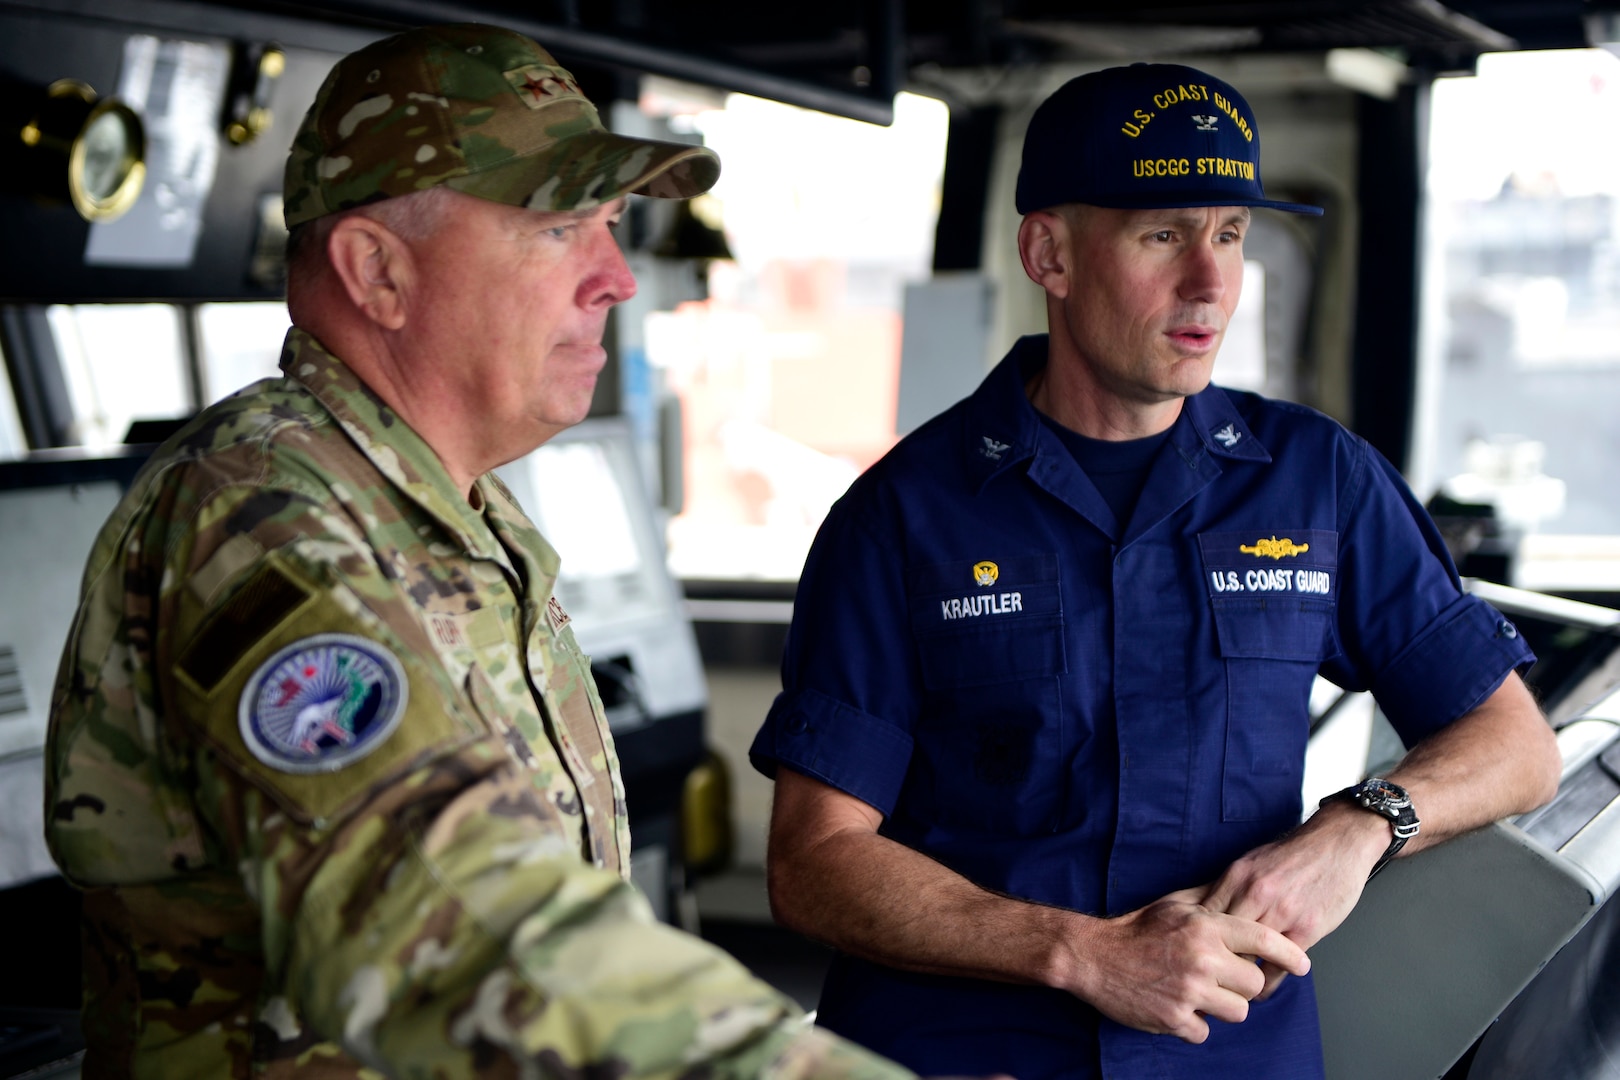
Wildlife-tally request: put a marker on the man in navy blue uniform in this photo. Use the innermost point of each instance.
(1039, 750)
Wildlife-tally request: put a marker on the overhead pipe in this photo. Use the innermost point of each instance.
(885, 33)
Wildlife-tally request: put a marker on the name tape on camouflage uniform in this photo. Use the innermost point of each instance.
(322, 703)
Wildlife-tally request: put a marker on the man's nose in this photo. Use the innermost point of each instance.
(610, 281)
(1202, 280)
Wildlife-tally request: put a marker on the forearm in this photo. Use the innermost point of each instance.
(1500, 759)
(882, 901)
(447, 935)
(583, 980)
(1163, 968)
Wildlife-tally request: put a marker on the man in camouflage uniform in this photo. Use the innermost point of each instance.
(325, 756)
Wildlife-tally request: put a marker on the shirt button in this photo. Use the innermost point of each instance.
(797, 725)
(1506, 629)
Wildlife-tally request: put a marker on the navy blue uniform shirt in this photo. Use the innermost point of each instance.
(1093, 713)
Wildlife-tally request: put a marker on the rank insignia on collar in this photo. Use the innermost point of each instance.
(985, 573)
(1274, 548)
(993, 449)
(1227, 436)
(322, 702)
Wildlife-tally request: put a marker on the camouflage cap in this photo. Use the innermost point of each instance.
(479, 109)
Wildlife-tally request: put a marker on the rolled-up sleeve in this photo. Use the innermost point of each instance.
(813, 734)
(1456, 664)
(1427, 651)
(850, 680)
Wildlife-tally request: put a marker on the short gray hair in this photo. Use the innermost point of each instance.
(412, 218)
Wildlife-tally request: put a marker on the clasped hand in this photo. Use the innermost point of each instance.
(1191, 955)
(1165, 967)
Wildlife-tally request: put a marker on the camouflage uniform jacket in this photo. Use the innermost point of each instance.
(443, 894)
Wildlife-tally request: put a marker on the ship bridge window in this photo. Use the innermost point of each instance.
(239, 344)
(13, 439)
(788, 370)
(1520, 367)
(121, 363)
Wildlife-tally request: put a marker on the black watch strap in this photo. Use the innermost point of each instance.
(1387, 800)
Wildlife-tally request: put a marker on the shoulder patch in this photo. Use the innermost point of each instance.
(230, 632)
(322, 702)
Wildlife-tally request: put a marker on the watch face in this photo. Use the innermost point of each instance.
(107, 155)
(1383, 796)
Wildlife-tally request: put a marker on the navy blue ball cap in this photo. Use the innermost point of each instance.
(1147, 136)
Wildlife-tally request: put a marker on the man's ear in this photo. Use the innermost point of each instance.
(374, 266)
(1043, 247)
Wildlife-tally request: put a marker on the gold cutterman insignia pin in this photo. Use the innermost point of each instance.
(985, 573)
(1273, 548)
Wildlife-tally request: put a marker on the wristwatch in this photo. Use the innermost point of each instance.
(1386, 800)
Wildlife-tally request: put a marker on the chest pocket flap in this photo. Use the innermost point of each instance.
(1275, 596)
(985, 621)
